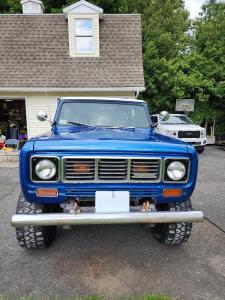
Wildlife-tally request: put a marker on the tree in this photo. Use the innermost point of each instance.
(209, 43)
(165, 24)
(10, 6)
(181, 60)
(189, 65)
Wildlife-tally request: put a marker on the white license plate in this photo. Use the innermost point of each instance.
(112, 201)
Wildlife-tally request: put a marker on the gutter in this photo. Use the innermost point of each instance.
(62, 89)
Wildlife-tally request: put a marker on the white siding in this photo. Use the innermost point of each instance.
(34, 104)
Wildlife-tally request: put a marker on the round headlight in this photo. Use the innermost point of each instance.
(203, 133)
(45, 169)
(176, 170)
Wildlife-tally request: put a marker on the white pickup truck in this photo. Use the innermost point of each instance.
(181, 127)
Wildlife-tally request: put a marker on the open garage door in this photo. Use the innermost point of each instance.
(13, 124)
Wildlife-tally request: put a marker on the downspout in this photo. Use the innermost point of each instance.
(137, 94)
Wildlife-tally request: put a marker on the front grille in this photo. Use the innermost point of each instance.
(111, 169)
(145, 169)
(79, 169)
(188, 134)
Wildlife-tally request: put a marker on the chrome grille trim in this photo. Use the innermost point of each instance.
(111, 169)
(69, 169)
(152, 169)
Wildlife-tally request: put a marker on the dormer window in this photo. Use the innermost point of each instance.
(83, 23)
(84, 39)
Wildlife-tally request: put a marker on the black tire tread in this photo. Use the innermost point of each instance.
(174, 233)
(32, 237)
(200, 151)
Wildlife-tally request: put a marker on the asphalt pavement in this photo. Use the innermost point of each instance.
(209, 194)
(120, 260)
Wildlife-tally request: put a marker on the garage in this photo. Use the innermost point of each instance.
(13, 124)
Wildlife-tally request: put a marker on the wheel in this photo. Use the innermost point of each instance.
(200, 150)
(33, 237)
(176, 233)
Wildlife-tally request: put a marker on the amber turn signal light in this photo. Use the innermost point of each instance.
(141, 169)
(172, 192)
(82, 168)
(47, 192)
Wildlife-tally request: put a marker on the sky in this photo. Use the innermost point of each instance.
(194, 6)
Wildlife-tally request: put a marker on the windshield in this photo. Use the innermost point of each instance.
(178, 119)
(103, 114)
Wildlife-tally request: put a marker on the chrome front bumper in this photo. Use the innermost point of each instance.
(56, 219)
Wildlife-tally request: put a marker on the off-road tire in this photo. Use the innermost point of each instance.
(200, 150)
(33, 237)
(175, 233)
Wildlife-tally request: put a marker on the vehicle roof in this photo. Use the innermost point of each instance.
(103, 99)
(171, 115)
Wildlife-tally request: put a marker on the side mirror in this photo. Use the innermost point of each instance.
(42, 116)
(164, 115)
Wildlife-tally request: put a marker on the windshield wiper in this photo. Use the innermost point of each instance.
(80, 124)
(175, 123)
(94, 126)
(120, 127)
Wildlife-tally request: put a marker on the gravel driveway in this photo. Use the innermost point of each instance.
(120, 260)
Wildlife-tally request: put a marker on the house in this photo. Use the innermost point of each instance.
(81, 52)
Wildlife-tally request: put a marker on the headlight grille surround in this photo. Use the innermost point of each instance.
(56, 160)
(168, 161)
(35, 160)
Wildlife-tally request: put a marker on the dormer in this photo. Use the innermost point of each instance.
(83, 26)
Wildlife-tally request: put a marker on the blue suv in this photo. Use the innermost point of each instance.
(102, 163)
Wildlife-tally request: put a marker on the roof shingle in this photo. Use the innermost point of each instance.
(34, 52)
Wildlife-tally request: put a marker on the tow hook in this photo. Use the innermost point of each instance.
(147, 206)
(71, 207)
(76, 209)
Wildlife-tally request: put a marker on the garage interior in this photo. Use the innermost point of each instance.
(13, 123)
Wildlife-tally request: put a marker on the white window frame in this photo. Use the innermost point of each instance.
(72, 35)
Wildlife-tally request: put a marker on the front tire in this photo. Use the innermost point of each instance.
(175, 233)
(200, 150)
(33, 237)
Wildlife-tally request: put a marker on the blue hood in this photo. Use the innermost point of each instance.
(110, 140)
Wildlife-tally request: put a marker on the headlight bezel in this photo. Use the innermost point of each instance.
(186, 163)
(171, 133)
(35, 159)
(202, 133)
